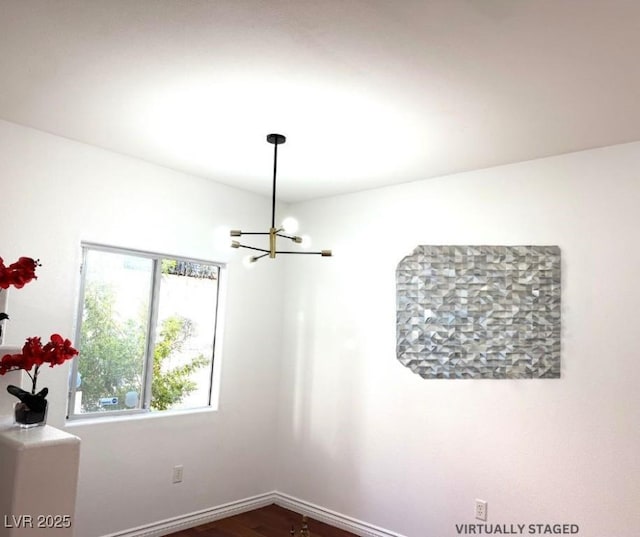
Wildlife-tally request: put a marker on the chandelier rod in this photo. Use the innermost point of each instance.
(275, 142)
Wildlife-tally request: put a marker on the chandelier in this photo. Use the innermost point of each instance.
(285, 231)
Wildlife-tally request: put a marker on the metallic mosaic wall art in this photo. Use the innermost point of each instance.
(479, 312)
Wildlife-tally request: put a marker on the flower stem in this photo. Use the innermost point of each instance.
(34, 379)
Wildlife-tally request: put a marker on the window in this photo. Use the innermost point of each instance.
(146, 333)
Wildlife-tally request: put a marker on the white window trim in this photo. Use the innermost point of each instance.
(217, 339)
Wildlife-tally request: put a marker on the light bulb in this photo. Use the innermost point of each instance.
(249, 261)
(290, 225)
(305, 242)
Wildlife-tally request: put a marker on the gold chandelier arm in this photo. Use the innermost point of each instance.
(323, 253)
(236, 244)
(294, 238)
(238, 233)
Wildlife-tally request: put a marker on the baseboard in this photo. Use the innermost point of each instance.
(358, 527)
(183, 522)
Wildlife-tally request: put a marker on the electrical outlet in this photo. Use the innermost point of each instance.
(481, 510)
(177, 474)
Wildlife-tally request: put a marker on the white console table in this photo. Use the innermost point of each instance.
(39, 477)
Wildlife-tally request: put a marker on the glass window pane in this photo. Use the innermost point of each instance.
(114, 329)
(184, 335)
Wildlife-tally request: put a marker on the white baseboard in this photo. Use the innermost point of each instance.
(183, 522)
(363, 529)
(172, 525)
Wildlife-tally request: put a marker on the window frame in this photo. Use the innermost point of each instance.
(154, 297)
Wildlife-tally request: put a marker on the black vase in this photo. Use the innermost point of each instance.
(31, 410)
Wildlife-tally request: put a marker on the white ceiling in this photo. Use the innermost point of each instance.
(368, 92)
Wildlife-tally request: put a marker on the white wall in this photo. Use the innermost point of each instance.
(55, 193)
(358, 433)
(362, 435)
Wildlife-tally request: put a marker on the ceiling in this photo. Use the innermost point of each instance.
(368, 92)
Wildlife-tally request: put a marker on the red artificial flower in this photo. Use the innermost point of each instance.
(19, 273)
(33, 354)
(10, 362)
(58, 350)
(55, 352)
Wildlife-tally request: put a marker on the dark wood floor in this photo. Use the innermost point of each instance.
(270, 521)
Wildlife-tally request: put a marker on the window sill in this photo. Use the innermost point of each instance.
(120, 418)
